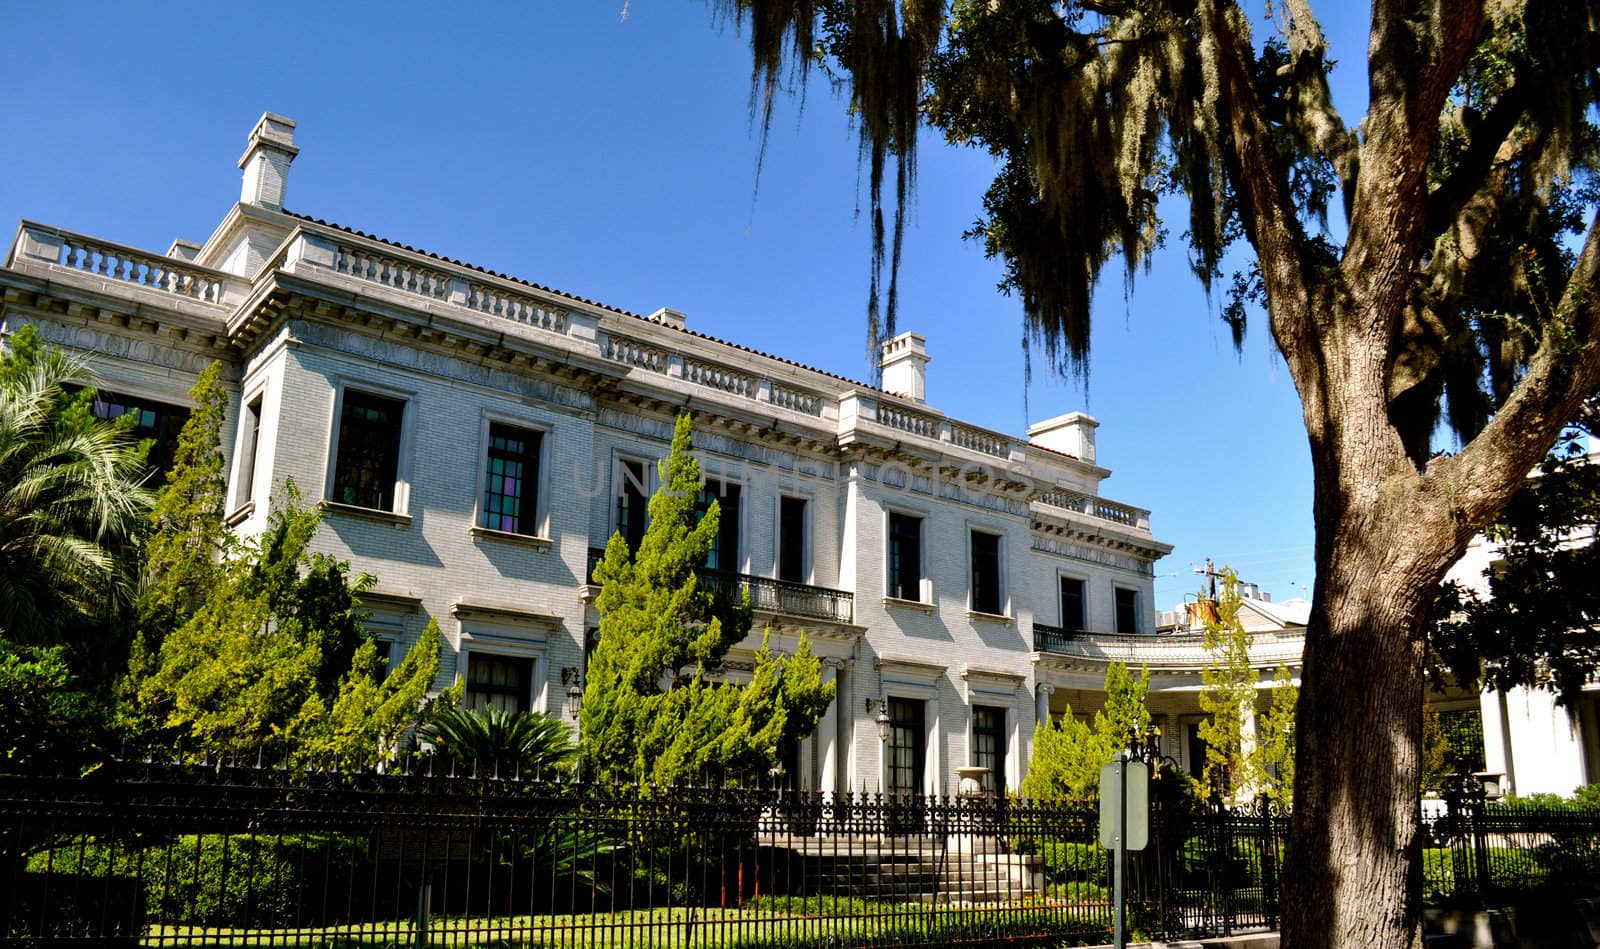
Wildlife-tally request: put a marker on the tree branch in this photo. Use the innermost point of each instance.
(1564, 371)
(1409, 82)
(1329, 135)
(1487, 135)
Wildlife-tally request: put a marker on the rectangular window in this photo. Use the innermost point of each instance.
(989, 745)
(986, 596)
(502, 682)
(1197, 750)
(369, 450)
(907, 746)
(156, 421)
(511, 480)
(905, 556)
(1127, 610)
(792, 539)
(724, 552)
(1074, 616)
(631, 503)
(247, 460)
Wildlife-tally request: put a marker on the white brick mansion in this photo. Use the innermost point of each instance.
(474, 438)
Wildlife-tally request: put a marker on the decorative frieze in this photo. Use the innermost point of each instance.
(1091, 554)
(442, 365)
(154, 352)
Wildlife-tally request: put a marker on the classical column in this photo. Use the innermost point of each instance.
(1041, 703)
(828, 732)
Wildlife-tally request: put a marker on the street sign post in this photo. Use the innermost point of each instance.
(1124, 825)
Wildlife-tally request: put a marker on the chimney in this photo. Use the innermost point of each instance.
(904, 364)
(667, 316)
(1071, 434)
(266, 162)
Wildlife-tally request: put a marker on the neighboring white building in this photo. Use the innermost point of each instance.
(1539, 746)
(473, 438)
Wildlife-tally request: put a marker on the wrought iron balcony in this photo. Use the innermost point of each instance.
(767, 594)
(779, 596)
(1051, 638)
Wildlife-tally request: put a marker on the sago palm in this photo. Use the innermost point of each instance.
(70, 502)
(490, 740)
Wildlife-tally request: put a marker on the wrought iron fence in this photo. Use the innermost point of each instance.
(191, 855)
(170, 855)
(1483, 854)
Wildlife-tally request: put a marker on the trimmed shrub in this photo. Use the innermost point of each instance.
(218, 879)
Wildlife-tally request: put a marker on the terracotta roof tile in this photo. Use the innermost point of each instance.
(571, 296)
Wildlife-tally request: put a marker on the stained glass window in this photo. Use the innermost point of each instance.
(511, 480)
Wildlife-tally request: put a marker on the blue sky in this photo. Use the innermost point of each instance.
(614, 159)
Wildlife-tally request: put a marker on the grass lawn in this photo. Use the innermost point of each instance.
(781, 922)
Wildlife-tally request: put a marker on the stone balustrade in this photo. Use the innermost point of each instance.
(631, 352)
(796, 400)
(980, 440)
(905, 420)
(1097, 507)
(391, 271)
(518, 307)
(710, 374)
(1158, 650)
(113, 261)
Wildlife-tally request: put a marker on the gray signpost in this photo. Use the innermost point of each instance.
(1124, 825)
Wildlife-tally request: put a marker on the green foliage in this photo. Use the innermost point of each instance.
(1068, 753)
(71, 506)
(1452, 744)
(1272, 758)
(219, 880)
(276, 657)
(1066, 761)
(495, 740)
(1538, 625)
(52, 722)
(183, 557)
(1230, 690)
(650, 709)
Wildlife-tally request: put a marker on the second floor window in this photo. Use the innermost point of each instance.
(905, 557)
(631, 503)
(511, 480)
(724, 552)
(154, 420)
(1074, 616)
(1127, 610)
(247, 457)
(792, 539)
(986, 596)
(369, 450)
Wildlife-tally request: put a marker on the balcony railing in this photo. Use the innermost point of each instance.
(1050, 638)
(1267, 648)
(767, 594)
(778, 596)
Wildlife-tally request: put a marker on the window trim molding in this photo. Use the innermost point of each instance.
(743, 486)
(808, 558)
(620, 457)
(925, 582)
(502, 631)
(1138, 609)
(1002, 575)
(242, 495)
(1061, 613)
(541, 536)
(401, 505)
